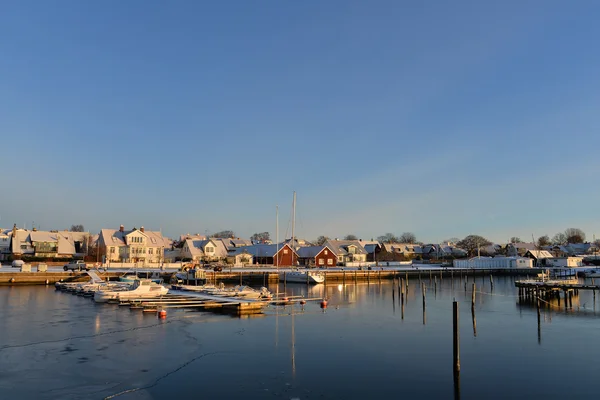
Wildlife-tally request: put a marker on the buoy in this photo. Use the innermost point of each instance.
(302, 302)
(324, 303)
(12, 280)
(162, 314)
(47, 281)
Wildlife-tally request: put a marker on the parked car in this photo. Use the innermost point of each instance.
(18, 263)
(76, 265)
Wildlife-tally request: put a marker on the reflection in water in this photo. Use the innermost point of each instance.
(106, 349)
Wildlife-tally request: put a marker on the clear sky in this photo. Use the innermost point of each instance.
(442, 118)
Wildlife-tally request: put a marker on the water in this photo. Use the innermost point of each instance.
(57, 346)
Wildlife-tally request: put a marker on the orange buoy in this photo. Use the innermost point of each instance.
(162, 314)
(324, 303)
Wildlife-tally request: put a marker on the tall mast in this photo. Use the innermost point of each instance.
(277, 236)
(293, 217)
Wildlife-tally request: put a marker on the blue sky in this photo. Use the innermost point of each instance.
(439, 118)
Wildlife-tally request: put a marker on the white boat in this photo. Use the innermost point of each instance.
(297, 276)
(243, 291)
(141, 288)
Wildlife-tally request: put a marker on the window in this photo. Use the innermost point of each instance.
(153, 240)
(150, 251)
(330, 261)
(210, 249)
(326, 252)
(112, 250)
(321, 261)
(285, 251)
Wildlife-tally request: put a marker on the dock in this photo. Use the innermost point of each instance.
(535, 289)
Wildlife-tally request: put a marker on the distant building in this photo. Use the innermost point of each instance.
(135, 245)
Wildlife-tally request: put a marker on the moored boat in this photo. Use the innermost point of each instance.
(298, 276)
(140, 288)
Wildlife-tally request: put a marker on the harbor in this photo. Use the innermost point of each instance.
(77, 348)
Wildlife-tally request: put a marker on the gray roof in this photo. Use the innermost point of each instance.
(311, 251)
(264, 250)
(340, 247)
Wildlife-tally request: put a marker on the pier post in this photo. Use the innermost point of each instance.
(566, 298)
(241, 272)
(430, 274)
(570, 299)
(491, 282)
(435, 286)
(455, 339)
(474, 321)
(423, 291)
(441, 276)
(344, 277)
(473, 296)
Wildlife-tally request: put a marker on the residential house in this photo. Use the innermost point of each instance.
(5, 250)
(240, 257)
(372, 247)
(519, 249)
(48, 244)
(538, 255)
(135, 245)
(316, 256)
(442, 251)
(399, 252)
(204, 250)
(281, 255)
(347, 251)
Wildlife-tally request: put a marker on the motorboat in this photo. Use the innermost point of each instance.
(298, 276)
(141, 288)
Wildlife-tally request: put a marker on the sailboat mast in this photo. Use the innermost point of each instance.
(277, 236)
(293, 217)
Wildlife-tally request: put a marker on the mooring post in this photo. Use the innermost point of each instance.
(455, 339)
(435, 286)
(423, 290)
(491, 282)
(473, 296)
(241, 278)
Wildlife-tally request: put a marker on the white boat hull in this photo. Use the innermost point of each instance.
(302, 277)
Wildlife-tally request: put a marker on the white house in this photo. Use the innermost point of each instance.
(204, 250)
(136, 245)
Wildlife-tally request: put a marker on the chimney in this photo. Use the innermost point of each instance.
(121, 228)
(142, 229)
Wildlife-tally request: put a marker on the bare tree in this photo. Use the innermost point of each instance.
(473, 242)
(224, 235)
(77, 228)
(543, 241)
(387, 238)
(260, 237)
(407, 237)
(575, 235)
(350, 237)
(559, 239)
(321, 240)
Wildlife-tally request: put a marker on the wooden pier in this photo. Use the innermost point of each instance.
(533, 290)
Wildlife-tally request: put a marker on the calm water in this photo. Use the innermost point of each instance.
(55, 345)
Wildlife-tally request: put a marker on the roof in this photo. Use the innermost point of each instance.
(264, 250)
(311, 251)
(114, 237)
(340, 247)
(540, 254)
(527, 246)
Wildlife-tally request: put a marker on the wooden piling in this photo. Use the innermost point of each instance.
(491, 282)
(455, 339)
(424, 314)
(473, 295)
